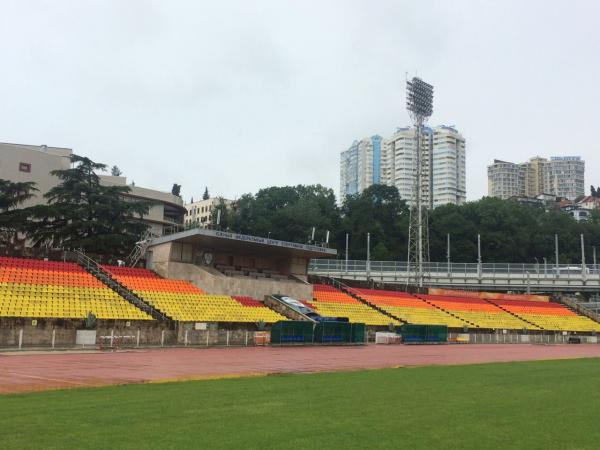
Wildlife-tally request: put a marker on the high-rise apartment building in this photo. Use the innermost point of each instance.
(506, 179)
(448, 164)
(360, 166)
(567, 176)
(561, 176)
(442, 158)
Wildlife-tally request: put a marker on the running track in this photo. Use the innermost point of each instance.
(32, 372)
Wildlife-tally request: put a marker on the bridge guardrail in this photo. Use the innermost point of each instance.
(439, 273)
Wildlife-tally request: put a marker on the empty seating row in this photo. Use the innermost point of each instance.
(328, 301)
(183, 301)
(549, 316)
(478, 312)
(48, 289)
(410, 308)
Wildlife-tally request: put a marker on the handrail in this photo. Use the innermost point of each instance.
(354, 293)
(96, 270)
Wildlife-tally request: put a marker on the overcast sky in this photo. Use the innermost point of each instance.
(239, 95)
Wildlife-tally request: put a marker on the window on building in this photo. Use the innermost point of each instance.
(24, 167)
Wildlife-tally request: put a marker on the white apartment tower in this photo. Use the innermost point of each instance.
(561, 176)
(360, 166)
(442, 158)
(448, 167)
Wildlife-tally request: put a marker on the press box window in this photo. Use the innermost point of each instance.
(25, 167)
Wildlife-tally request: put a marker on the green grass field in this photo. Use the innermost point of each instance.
(550, 404)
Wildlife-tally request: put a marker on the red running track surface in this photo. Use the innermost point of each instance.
(20, 372)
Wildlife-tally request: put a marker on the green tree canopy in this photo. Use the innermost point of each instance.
(380, 211)
(286, 213)
(12, 218)
(81, 213)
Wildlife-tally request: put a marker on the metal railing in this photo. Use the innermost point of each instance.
(96, 270)
(459, 273)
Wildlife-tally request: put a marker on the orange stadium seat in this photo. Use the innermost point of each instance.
(548, 315)
(328, 301)
(49, 289)
(410, 308)
(183, 301)
(478, 312)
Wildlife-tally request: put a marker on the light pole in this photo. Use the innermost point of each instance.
(347, 237)
(582, 257)
(545, 266)
(448, 253)
(368, 255)
(419, 103)
(479, 255)
(556, 255)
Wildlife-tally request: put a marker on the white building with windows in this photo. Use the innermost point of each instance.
(360, 166)
(561, 176)
(200, 214)
(392, 162)
(443, 165)
(20, 162)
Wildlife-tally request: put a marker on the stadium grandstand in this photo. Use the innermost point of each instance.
(409, 308)
(45, 289)
(182, 301)
(33, 289)
(329, 301)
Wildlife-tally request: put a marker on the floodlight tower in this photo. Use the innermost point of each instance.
(419, 102)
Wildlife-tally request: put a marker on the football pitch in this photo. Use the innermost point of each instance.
(544, 404)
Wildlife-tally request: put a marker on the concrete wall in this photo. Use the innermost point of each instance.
(188, 253)
(39, 332)
(215, 283)
(151, 333)
(41, 159)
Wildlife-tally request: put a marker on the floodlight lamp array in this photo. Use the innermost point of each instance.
(419, 97)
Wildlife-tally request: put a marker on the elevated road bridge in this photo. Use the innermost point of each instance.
(493, 276)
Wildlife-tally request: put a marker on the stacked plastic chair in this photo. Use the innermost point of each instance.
(329, 301)
(183, 301)
(46, 289)
(409, 308)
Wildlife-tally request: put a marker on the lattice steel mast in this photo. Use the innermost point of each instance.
(419, 102)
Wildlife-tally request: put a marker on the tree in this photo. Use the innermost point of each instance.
(12, 194)
(13, 219)
(81, 213)
(379, 211)
(287, 213)
(594, 192)
(115, 171)
(176, 189)
(206, 195)
(225, 221)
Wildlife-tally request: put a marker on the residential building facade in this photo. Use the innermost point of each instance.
(443, 165)
(561, 176)
(360, 166)
(200, 214)
(20, 162)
